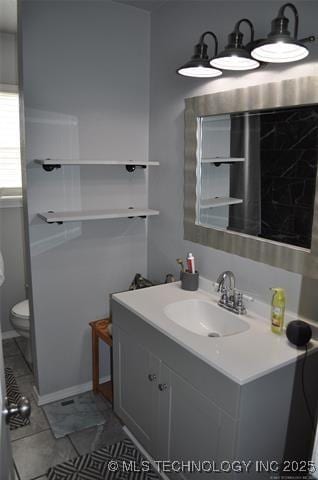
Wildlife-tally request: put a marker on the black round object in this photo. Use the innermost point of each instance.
(298, 333)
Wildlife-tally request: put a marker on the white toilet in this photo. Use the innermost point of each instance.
(20, 319)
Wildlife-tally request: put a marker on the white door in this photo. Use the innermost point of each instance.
(6, 464)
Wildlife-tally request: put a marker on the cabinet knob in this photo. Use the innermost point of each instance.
(162, 387)
(152, 377)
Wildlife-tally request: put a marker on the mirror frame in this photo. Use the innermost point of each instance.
(286, 93)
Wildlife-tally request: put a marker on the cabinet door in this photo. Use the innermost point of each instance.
(136, 372)
(191, 427)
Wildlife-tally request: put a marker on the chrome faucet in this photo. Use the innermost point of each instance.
(228, 275)
(231, 298)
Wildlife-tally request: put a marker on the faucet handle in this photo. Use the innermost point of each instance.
(224, 295)
(238, 295)
(247, 297)
(239, 302)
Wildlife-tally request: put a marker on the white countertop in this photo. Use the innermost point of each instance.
(242, 357)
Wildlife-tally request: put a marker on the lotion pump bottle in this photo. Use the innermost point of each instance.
(278, 310)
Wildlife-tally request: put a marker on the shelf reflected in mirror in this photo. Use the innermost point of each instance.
(256, 173)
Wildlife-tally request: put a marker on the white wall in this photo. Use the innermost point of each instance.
(11, 221)
(86, 91)
(175, 29)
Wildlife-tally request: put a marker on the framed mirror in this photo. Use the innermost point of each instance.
(251, 159)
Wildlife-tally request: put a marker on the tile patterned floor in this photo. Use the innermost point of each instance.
(34, 447)
(33, 455)
(18, 365)
(98, 437)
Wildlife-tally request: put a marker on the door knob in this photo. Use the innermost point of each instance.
(152, 377)
(162, 387)
(22, 408)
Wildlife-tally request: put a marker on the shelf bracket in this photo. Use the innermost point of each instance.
(50, 168)
(130, 208)
(140, 216)
(131, 168)
(51, 223)
(218, 164)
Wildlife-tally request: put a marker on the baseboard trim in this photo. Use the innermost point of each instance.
(9, 334)
(65, 393)
(144, 452)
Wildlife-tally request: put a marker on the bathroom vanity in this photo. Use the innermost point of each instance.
(191, 396)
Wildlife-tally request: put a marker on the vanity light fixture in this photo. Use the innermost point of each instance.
(236, 56)
(199, 65)
(280, 46)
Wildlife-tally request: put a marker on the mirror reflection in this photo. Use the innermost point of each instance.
(256, 173)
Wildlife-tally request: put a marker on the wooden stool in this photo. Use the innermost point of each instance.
(99, 331)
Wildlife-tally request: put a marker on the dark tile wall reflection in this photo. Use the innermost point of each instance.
(289, 152)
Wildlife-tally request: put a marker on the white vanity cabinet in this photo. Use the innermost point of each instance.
(180, 408)
(168, 416)
(190, 426)
(137, 373)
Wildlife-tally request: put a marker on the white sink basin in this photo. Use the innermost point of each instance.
(204, 318)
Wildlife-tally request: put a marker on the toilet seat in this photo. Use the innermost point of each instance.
(20, 320)
(21, 310)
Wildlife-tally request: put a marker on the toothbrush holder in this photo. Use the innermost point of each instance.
(189, 281)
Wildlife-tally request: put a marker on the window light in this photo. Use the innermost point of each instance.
(10, 159)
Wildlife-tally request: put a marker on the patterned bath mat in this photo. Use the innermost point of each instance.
(121, 461)
(14, 395)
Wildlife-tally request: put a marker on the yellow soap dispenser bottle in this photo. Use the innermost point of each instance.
(278, 310)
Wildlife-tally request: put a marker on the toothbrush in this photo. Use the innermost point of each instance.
(180, 262)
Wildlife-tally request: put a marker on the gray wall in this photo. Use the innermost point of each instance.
(8, 58)
(175, 29)
(86, 92)
(11, 222)
(86, 85)
(12, 248)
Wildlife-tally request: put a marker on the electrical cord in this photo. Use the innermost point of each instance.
(304, 391)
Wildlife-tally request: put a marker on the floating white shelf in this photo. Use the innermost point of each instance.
(219, 202)
(83, 215)
(223, 160)
(50, 164)
(59, 161)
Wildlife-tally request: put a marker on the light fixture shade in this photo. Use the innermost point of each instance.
(199, 65)
(280, 46)
(281, 51)
(235, 59)
(198, 69)
(235, 56)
